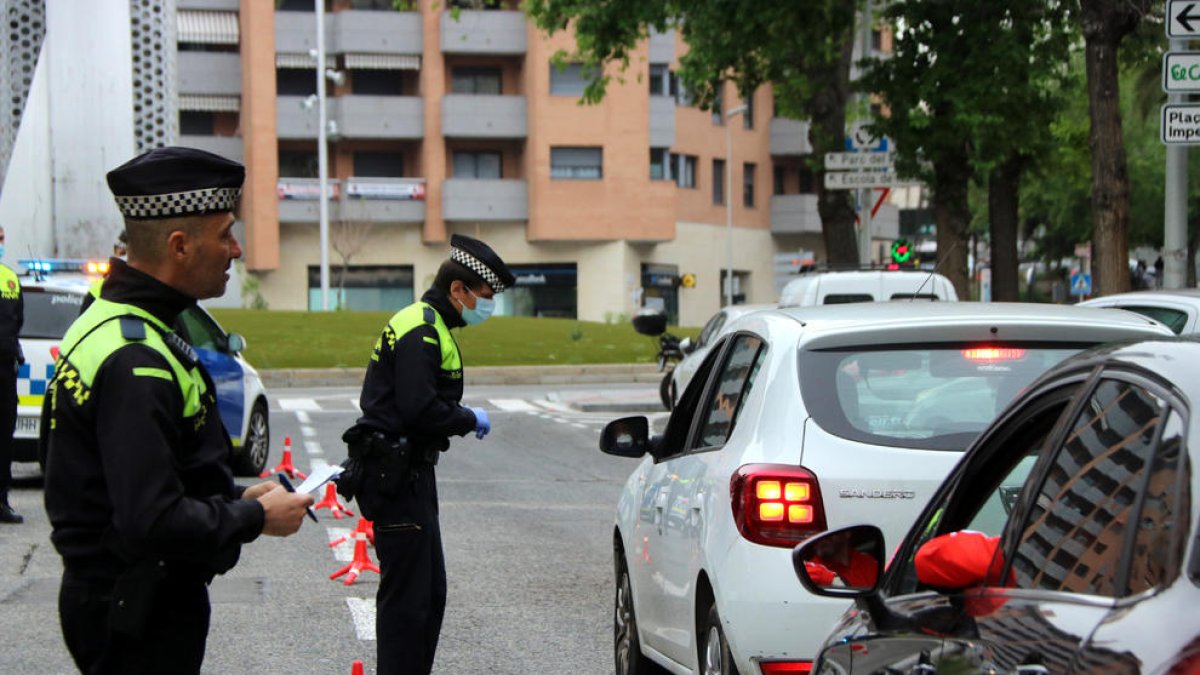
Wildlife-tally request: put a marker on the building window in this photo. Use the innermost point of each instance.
(748, 114)
(779, 178)
(748, 185)
(295, 6)
(876, 39)
(477, 165)
(379, 164)
(378, 82)
(660, 77)
(660, 164)
(718, 181)
(569, 79)
(367, 288)
(683, 95)
(685, 170)
(298, 164)
(576, 163)
(478, 81)
(718, 112)
(808, 183)
(195, 123)
(542, 290)
(295, 81)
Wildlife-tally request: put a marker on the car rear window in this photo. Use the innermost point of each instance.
(1171, 318)
(49, 313)
(847, 298)
(937, 397)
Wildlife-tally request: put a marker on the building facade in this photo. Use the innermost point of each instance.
(444, 119)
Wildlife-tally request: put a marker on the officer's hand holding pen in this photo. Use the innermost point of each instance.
(283, 511)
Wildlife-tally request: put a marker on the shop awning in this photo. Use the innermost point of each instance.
(383, 62)
(205, 103)
(206, 27)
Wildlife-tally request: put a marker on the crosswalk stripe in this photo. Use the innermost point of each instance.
(292, 404)
(512, 404)
(362, 611)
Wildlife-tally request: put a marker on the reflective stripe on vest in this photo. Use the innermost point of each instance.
(10, 283)
(76, 369)
(414, 315)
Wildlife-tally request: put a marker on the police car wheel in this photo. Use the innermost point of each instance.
(252, 458)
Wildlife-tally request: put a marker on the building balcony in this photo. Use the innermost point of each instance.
(374, 32)
(371, 200)
(295, 121)
(229, 147)
(479, 116)
(210, 73)
(468, 199)
(662, 121)
(795, 214)
(381, 117)
(484, 32)
(213, 5)
(296, 32)
(789, 137)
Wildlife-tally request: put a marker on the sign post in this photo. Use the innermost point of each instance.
(1180, 128)
(866, 166)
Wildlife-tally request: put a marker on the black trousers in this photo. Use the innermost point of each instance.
(411, 600)
(175, 635)
(8, 422)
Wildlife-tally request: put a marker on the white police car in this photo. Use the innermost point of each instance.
(54, 291)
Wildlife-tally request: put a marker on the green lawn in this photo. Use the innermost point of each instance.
(340, 339)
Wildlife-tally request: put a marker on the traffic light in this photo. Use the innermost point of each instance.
(902, 251)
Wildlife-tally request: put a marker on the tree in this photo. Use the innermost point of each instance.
(347, 239)
(803, 50)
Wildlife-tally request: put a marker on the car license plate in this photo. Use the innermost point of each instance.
(29, 425)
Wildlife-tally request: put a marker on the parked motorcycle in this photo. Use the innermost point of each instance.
(653, 323)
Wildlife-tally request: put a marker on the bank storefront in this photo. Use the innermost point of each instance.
(546, 289)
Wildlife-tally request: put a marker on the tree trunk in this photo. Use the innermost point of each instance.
(1004, 187)
(828, 134)
(952, 213)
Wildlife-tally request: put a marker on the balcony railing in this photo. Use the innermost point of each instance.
(472, 199)
(484, 32)
(484, 116)
(376, 200)
(795, 214)
(789, 137)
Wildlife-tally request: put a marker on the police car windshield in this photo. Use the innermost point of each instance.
(49, 313)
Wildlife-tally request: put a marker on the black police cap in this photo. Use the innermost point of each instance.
(482, 260)
(173, 182)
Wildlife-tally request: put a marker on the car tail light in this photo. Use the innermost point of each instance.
(776, 504)
(992, 354)
(781, 667)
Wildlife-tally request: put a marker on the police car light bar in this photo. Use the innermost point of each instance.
(48, 265)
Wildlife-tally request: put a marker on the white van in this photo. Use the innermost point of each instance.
(834, 288)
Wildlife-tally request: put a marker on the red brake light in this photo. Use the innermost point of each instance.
(54, 353)
(993, 354)
(783, 667)
(776, 505)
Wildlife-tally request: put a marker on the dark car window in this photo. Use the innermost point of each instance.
(847, 298)
(732, 385)
(1074, 535)
(674, 437)
(48, 314)
(1157, 547)
(1174, 319)
(711, 329)
(201, 331)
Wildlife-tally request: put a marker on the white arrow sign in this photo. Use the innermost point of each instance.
(853, 180)
(1183, 19)
(858, 160)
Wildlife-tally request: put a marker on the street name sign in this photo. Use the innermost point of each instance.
(858, 160)
(1183, 19)
(1181, 72)
(853, 180)
(1180, 124)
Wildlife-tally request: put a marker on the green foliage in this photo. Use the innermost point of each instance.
(279, 339)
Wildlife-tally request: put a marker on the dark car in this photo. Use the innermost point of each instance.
(1084, 490)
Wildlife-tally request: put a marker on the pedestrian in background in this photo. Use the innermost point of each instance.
(138, 487)
(411, 404)
(12, 315)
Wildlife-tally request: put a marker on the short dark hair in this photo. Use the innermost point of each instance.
(451, 271)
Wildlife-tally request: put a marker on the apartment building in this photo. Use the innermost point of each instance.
(445, 119)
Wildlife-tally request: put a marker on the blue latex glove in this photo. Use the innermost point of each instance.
(483, 425)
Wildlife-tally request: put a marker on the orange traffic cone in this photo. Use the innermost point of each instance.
(361, 561)
(363, 525)
(330, 501)
(356, 668)
(285, 465)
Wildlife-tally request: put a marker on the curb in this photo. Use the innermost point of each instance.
(606, 373)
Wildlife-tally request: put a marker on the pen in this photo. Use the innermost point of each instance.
(287, 485)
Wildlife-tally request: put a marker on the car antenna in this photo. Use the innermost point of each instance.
(932, 272)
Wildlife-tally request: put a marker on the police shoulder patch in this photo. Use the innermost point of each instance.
(133, 328)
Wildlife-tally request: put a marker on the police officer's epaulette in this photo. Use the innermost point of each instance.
(181, 349)
(429, 316)
(133, 328)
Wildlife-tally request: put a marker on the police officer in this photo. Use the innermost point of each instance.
(411, 406)
(138, 486)
(12, 314)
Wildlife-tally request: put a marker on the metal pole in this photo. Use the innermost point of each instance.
(728, 211)
(322, 155)
(865, 195)
(1175, 221)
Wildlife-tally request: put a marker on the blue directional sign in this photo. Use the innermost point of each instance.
(1081, 284)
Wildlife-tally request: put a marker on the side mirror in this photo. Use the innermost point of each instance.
(626, 437)
(845, 563)
(687, 346)
(236, 344)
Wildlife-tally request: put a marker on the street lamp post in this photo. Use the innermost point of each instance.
(729, 202)
(322, 156)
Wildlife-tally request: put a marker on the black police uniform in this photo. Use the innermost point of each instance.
(12, 314)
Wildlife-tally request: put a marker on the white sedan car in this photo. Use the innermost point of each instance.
(802, 420)
(694, 352)
(1178, 309)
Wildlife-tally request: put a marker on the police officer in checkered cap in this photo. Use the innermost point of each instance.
(138, 488)
(411, 404)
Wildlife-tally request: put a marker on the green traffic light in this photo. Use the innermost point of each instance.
(901, 251)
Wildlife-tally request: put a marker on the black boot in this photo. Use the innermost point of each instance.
(7, 515)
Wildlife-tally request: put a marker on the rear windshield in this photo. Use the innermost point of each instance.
(1171, 318)
(48, 314)
(937, 397)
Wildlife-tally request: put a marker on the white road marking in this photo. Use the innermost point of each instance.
(560, 420)
(362, 610)
(293, 404)
(308, 431)
(556, 407)
(313, 448)
(302, 417)
(512, 404)
(578, 425)
(354, 402)
(343, 552)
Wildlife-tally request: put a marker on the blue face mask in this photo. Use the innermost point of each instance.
(483, 310)
(1, 250)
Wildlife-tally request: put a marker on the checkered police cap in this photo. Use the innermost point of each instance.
(482, 260)
(173, 182)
